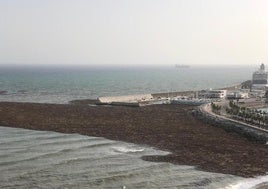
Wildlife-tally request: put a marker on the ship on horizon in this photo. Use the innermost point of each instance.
(182, 66)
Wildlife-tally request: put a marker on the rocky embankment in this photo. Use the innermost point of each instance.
(251, 133)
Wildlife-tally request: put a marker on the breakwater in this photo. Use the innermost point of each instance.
(228, 125)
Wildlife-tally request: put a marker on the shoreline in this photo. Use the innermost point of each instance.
(171, 128)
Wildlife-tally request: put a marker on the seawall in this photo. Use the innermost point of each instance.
(231, 126)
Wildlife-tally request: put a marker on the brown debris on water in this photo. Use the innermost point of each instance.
(167, 127)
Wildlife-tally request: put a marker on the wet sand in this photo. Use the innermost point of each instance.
(167, 127)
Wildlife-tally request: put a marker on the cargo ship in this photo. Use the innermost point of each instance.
(182, 66)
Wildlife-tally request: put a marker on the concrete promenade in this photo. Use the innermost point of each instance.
(238, 126)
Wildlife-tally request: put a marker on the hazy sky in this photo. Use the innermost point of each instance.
(133, 31)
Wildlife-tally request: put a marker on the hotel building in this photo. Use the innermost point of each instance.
(260, 78)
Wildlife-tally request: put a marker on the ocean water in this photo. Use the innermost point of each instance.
(40, 159)
(62, 84)
(44, 159)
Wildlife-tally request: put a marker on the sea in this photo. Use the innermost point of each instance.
(60, 84)
(45, 159)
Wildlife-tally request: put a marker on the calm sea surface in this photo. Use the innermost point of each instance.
(39, 159)
(62, 84)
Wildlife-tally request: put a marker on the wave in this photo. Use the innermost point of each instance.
(3, 92)
(251, 183)
(95, 145)
(125, 149)
(29, 159)
(23, 91)
(91, 162)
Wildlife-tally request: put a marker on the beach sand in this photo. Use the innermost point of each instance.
(166, 127)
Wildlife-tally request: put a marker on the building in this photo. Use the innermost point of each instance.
(260, 78)
(213, 94)
(237, 95)
(126, 98)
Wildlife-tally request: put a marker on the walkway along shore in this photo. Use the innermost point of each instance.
(249, 131)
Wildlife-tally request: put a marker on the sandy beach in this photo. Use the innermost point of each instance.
(167, 127)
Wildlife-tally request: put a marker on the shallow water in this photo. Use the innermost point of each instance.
(251, 183)
(40, 159)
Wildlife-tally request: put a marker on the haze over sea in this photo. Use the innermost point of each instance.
(52, 84)
(38, 159)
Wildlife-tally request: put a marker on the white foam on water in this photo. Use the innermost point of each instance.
(83, 162)
(126, 149)
(251, 183)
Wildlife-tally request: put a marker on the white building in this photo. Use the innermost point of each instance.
(126, 98)
(237, 95)
(260, 78)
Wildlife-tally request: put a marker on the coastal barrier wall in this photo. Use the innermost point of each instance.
(231, 126)
(126, 98)
(173, 94)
